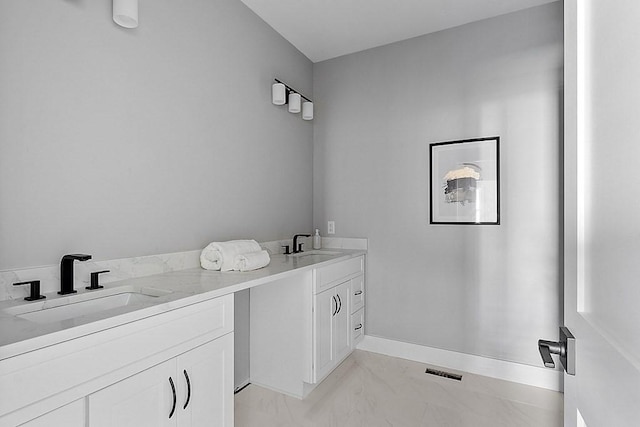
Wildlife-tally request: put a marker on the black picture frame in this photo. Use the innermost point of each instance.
(464, 182)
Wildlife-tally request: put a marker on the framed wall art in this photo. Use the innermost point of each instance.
(465, 181)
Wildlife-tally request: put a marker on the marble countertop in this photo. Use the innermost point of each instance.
(182, 288)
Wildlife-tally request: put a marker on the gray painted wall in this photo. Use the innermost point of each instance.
(161, 139)
(123, 143)
(486, 290)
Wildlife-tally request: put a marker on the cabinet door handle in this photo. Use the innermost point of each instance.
(173, 390)
(340, 308)
(335, 306)
(358, 327)
(358, 293)
(186, 377)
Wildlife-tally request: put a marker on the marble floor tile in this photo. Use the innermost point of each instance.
(370, 389)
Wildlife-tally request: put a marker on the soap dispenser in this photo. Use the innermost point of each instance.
(317, 240)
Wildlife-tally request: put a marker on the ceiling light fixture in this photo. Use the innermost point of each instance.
(282, 93)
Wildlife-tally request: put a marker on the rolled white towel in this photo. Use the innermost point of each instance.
(251, 261)
(221, 255)
(208, 264)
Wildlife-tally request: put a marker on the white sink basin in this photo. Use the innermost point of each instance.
(55, 310)
(316, 252)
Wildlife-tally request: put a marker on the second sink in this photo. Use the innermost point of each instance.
(316, 252)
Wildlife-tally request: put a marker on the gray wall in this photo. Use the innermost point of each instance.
(123, 143)
(486, 290)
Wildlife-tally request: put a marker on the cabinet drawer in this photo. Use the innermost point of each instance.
(71, 415)
(357, 293)
(357, 327)
(331, 275)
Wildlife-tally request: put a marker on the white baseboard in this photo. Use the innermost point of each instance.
(524, 374)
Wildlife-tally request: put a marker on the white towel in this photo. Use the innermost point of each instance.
(221, 255)
(251, 261)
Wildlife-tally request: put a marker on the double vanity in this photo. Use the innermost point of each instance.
(158, 350)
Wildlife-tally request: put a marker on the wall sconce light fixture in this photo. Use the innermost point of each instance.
(278, 94)
(307, 110)
(125, 13)
(294, 102)
(282, 93)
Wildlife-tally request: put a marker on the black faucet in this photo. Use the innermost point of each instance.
(298, 248)
(66, 272)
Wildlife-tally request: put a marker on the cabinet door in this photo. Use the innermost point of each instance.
(71, 415)
(143, 400)
(342, 323)
(325, 305)
(206, 384)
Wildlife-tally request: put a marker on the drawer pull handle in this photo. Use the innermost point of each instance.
(358, 293)
(358, 327)
(340, 308)
(335, 306)
(173, 390)
(186, 377)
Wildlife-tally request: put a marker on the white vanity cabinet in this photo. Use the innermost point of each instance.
(301, 326)
(188, 390)
(339, 294)
(120, 375)
(332, 341)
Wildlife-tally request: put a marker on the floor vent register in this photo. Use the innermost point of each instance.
(443, 374)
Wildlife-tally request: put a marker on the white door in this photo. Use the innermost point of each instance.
(205, 396)
(147, 399)
(602, 211)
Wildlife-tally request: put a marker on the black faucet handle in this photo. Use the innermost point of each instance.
(95, 281)
(300, 246)
(35, 290)
(286, 249)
